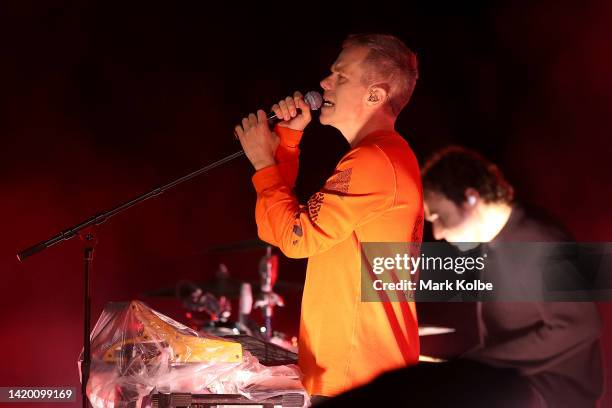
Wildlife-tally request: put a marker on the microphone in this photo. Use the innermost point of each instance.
(312, 98)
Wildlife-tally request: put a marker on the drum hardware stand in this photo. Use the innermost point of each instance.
(86, 230)
(268, 273)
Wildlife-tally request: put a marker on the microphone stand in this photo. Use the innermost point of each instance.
(86, 230)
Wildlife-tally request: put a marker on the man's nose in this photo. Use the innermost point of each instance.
(325, 83)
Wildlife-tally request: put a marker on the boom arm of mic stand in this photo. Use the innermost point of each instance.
(100, 218)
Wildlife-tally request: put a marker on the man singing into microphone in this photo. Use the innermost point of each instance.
(373, 195)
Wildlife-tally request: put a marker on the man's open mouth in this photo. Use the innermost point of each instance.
(328, 103)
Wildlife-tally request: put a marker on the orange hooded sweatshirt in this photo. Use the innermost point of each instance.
(374, 195)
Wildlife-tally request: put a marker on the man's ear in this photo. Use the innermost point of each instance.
(377, 95)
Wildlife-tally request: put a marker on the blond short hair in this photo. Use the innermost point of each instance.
(391, 62)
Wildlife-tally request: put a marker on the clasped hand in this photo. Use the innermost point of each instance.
(258, 141)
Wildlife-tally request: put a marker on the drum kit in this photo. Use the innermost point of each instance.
(208, 308)
(208, 305)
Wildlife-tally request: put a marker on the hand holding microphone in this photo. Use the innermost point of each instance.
(294, 111)
(258, 142)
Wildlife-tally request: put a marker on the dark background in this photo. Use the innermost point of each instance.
(102, 101)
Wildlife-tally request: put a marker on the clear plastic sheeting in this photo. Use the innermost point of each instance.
(137, 351)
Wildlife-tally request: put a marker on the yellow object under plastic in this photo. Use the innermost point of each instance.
(156, 333)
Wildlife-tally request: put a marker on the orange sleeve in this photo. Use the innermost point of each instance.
(288, 153)
(362, 186)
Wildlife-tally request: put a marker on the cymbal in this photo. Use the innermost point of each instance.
(228, 287)
(429, 330)
(239, 246)
(430, 359)
(281, 286)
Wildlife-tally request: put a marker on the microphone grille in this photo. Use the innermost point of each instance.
(314, 99)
